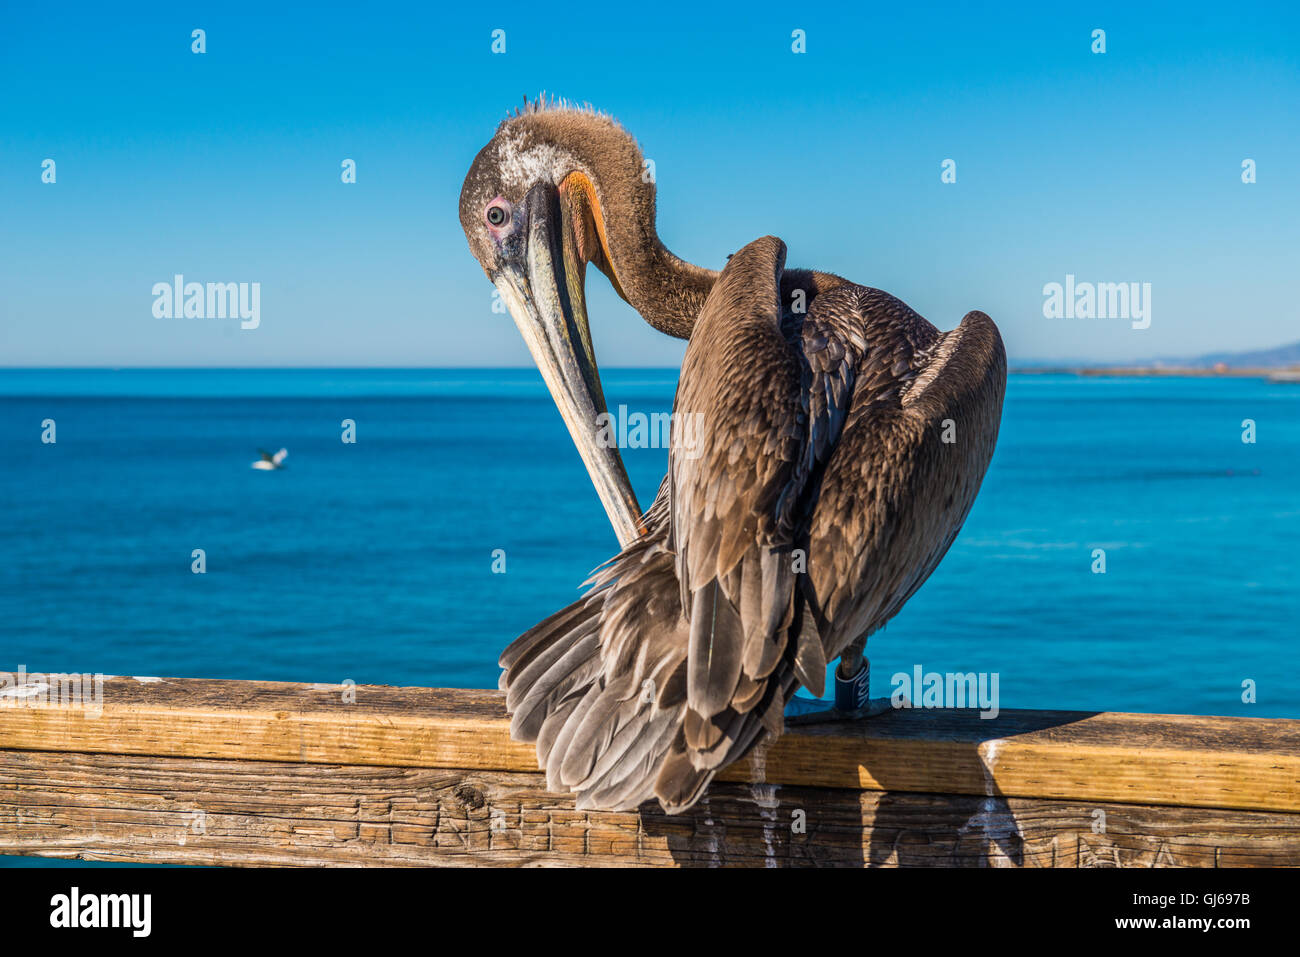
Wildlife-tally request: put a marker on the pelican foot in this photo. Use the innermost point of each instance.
(797, 712)
(852, 701)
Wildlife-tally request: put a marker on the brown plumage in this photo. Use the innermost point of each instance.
(820, 492)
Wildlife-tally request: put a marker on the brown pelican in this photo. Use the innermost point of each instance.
(839, 451)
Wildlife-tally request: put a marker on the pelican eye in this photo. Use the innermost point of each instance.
(497, 215)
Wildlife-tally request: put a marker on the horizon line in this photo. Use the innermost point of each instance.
(1012, 365)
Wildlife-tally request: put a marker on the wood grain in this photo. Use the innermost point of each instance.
(1173, 760)
(250, 813)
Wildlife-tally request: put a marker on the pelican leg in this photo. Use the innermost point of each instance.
(852, 693)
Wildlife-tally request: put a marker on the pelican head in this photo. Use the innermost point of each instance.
(542, 200)
(531, 214)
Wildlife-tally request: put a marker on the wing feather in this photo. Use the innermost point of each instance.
(895, 494)
(742, 381)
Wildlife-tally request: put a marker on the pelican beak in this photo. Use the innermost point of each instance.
(543, 289)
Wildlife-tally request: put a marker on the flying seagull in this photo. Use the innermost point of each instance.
(269, 462)
(840, 443)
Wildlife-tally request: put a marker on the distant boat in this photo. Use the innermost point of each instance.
(269, 462)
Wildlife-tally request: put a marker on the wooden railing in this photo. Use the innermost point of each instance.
(265, 773)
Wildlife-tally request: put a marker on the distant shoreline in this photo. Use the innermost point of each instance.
(1271, 373)
(1129, 372)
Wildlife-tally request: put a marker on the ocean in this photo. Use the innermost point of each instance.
(380, 561)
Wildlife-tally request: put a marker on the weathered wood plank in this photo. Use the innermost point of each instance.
(204, 811)
(1176, 760)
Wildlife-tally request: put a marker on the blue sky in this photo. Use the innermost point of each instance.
(1116, 167)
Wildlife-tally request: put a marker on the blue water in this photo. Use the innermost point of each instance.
(373, 561)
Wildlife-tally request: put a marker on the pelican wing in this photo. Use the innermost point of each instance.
(736, 498)
(903, 476)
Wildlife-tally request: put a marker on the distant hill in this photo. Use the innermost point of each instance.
(1257, 360)
(1277, 357)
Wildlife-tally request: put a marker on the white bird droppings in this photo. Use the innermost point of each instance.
(765, 799)
(994, 819)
